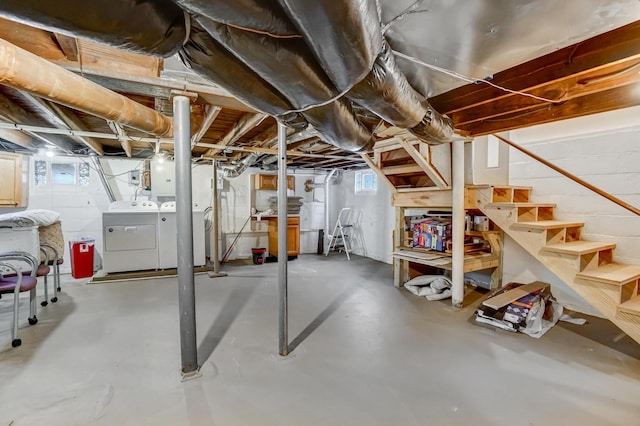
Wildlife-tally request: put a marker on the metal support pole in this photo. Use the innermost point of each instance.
(215, 230)
(457, 258)
(282, 240)
(184, 219)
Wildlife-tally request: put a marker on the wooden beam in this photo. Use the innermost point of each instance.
(71, 119)
(608, 48)
(622, 97)
(122, 137)
(160, 87)
(620, 74)
(17, 137)
(379, 172)
(34, 40)
(68, 45)
(210, 117)
(12, 112)
(436, 198)
(424, 164)
(247, 122)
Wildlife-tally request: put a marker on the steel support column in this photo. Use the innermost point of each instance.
(184, 219)
(282, 240)
(457, 258)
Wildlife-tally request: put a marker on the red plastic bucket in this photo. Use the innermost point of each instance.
(258, 255)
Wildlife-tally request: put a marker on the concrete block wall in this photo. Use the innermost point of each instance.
(81, 207)
(374, 217)
(236, 203)
(600, 149)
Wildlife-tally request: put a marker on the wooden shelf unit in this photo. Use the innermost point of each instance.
(405, 257)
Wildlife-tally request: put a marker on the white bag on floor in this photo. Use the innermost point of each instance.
(433, 287)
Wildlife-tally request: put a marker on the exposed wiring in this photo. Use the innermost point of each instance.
(593, 80)
(473, 80)
(408, 11)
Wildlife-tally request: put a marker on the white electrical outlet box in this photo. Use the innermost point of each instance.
(163, 179)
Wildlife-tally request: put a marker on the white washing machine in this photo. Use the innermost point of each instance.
(130, 236)
(167, 236)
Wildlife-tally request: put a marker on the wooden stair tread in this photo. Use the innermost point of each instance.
(401, 169)
(498, 186)
(630, 306)
(579, 247)
(519, 205)
(612, 273)
(547, 224)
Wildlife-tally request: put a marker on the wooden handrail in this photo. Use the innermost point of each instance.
(571, 176)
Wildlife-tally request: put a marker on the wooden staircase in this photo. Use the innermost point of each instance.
(586, 266)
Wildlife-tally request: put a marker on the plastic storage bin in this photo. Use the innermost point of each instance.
(82, 257)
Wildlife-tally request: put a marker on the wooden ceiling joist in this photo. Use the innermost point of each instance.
(17, 137)
(602, 63)
(621, 97)
(246, 123)
(14, 113)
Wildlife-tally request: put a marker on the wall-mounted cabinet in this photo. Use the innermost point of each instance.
(263, 181)
(12, 179)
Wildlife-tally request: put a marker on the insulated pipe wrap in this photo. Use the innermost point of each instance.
(344, 35)
(261, 16)
(150, 27)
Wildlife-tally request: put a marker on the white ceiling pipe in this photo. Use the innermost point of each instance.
(27, 72)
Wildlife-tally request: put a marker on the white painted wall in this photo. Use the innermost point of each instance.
(601, 149)
(374, 217)
(81, 207)
(236, 202)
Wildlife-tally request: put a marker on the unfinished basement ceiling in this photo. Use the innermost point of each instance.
(448, 51)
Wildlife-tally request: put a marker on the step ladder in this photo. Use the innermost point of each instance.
(340, 238)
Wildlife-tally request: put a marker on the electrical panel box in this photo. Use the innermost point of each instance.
(163, 181)
(134, 177)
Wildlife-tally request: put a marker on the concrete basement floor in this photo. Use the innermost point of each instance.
(364, 353)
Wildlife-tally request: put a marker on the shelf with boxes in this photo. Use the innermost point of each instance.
(423, 242)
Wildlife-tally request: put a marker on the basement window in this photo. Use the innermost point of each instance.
(366, 182)
(63, 173)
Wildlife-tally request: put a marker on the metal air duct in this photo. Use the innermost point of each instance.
(150, 27)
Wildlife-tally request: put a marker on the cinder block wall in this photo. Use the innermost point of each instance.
(603, 150)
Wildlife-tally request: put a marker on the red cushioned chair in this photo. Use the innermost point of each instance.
(13, 280)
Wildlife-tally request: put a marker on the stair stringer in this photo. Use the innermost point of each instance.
(533, 241)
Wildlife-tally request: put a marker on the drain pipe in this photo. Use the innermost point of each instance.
(184, 219)
(107, 188)
(327, 204)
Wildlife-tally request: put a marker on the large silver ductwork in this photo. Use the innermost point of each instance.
(303, 62)
(238, 169)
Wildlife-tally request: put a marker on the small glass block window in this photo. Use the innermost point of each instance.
(366, 181)
(40, 172)
(63, 173)
(84, 174)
